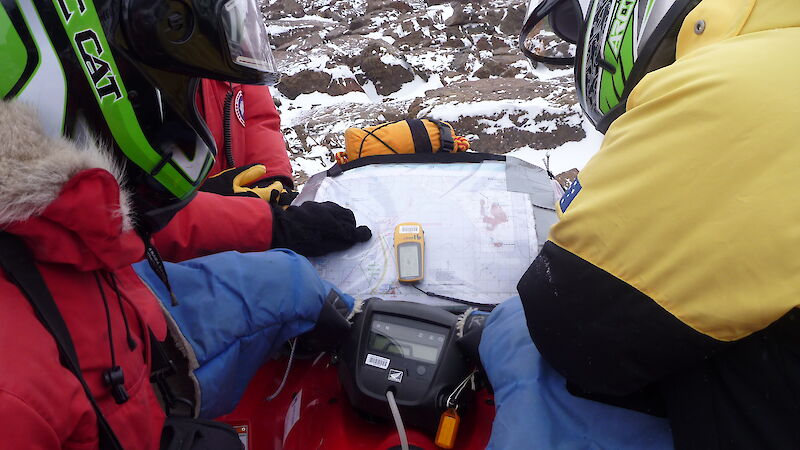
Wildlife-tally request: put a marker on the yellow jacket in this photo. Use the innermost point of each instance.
(682, 235)
(694, 196)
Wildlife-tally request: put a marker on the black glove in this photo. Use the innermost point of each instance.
(315, 229)
(330, 331)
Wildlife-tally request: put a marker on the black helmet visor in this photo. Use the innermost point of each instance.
(551, 41)
(219, 39)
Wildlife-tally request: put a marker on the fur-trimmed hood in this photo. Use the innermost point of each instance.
(61, 197)
(34, 166)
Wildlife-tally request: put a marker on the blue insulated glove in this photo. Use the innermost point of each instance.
(236, 310)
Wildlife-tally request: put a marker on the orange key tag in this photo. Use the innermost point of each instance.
(448, 427)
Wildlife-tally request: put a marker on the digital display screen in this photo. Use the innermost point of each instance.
(403, 339)
(408, 258)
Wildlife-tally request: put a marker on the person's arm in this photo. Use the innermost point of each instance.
(263, 137)
(600, 333)
(213, 223)
(236, 310)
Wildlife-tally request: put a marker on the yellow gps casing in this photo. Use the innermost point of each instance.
(409, 252)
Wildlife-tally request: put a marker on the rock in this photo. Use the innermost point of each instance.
(461, 61)
(495, 16)
(454, 43)
(334, 33)
(472, 91)
(486, 138)
(460, 17)
(295, 36)
(385, 68)
(358, 22)
(310, 42)
(342, 86)
(511, 24)
(565, 179)
(498, 66)
(304, 82)
(478, 28)
(413, 40)
(284, 8)
(497, 42)
(483, 43)
(388, 43)
(333, 15)
(379, 5)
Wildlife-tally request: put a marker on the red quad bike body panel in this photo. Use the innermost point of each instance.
(313, 412)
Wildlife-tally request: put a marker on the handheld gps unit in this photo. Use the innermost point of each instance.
(407, 348)
(409, 248)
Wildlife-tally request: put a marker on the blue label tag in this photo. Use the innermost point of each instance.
(568, 196)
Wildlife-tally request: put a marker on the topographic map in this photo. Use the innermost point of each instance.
(479, 237)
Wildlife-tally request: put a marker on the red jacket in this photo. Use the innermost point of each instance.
(78, 235)
(212, 223)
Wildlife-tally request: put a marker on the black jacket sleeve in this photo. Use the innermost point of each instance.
(602, 334)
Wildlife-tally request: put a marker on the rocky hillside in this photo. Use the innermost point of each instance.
(362, 62)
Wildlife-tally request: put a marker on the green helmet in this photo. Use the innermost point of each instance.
(127, 72)
(615, 43)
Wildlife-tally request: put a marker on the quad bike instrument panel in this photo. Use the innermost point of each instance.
(408, 349)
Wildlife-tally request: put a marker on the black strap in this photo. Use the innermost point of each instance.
(415, 158)
(17, 261)
(372, 133)
(448, 144)
(422, 141)
(488, 307)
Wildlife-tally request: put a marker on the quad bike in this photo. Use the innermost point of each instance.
(405, 374)
(337, 400)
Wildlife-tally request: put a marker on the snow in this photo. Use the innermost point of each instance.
(340, 72)
(430, 61)
(313, 61)
(440, 12)
(542, 72)
(567, 156)
(295, 111)
(308, 18)
(528, 109)
(391, 60)
(381, 36)
(315, 161)
(432, 70)
(280, 29)
(416, 88)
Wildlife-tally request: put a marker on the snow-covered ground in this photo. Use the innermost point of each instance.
(570, 155)
(455, 61)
